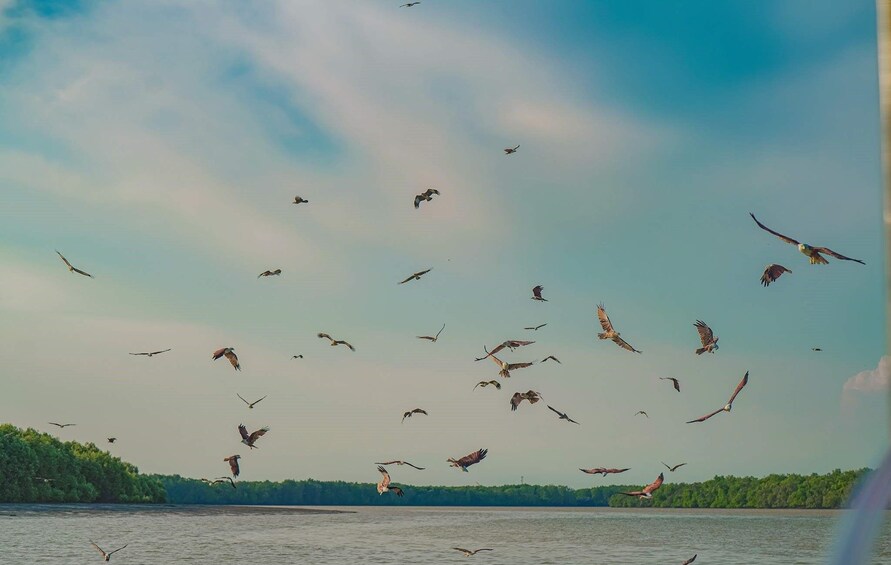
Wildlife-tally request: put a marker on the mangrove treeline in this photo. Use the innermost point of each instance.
(36, 467)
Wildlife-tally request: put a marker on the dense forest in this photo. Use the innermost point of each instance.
(774, 491)
(36, 467)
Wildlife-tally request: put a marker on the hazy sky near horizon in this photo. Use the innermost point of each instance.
(158, 145)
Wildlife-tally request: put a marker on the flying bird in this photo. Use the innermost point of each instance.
(603, 471)
(707, 337)
(691, 560)
(415, 276)
(471, 552)
(673, 469)
(551, 357)
(228, 353)
(642, 412)
(44, 479)
(398, 462)
(233, 464)
(511, 150)
(151, 353)
(409, 5)
(536, 293)
(468, 460)
(484, 384)
(816, 349)
(270, 273)
(411, 412)
(111, 439)
(562, 415)
(72, 268)
(674, 381)
(61, 425)
(609, 332)
(425, 196)
(384, 485)
(506, 368)
(813, 253)
(218, 481)
(106, 555)
(249, 439)
(509, 344)
(729, 404)
(300, 200)
(536, 328)
(519, 397)
(434, 337)
(772, 272)
(647, 491)
(297, 357)
(250, 404)
(335, 342)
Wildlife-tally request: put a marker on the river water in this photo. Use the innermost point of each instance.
(273, 535)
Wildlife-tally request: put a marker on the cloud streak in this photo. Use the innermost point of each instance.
(875, 380)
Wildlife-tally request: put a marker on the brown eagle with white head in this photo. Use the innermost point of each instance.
(609, 332)
(249, 439)
(468, 460)
(647, 491)
(384, 484)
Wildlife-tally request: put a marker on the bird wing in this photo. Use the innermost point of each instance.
(473, 458)
(462, 550)
(666, 465)
(625, 345)
(230, 355)
(512, 366)
(772, 272)
(407, 279)
(555, 411)
(99, 549)
(827, 251)
(118, 549)
(655, 484)
(242, 399)
(496, 384)
(678, 466)
(439, 332)
(515, 400)
(429, 337)
(257, 401)
(218, 353)
(421, 273)
(162, 351)
(706, 417)
(604, 319)
(618, 470)
(779, 235)
(706, 336)
(341, 342)
(233, 465)
(739, 387)
(66, 263)
(258, 434)
(243, 431)
(326, 336)
(415, 466)
(397, 490)
(536, 291)
(86, 274)
(691, 560)
(385, 479)
(419, 411)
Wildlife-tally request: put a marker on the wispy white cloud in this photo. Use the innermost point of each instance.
(875, 380)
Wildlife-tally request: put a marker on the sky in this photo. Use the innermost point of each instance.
(158, 145)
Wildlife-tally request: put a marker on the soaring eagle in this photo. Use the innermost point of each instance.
(106, 555)
(484, 384)
(674, 381)
(412, 412)
(472, 552)
(647, 491)
(415, 276)
(603, 471)
(727, 407)
(270, 273)
(536, 294)
(468, 460)
(519, 397)
(151, 353)
(562, 415)
(509, 344)
(228, 353)
(425, 196)
(432, 338)
(249, 439)
(506, 367)
(772, 272)
(400, 463)
(609, 331)
(384, 484)
(335, 342)
(233, 464)
(511, 150)
(74, 269)
(707, 337)
(813, 253)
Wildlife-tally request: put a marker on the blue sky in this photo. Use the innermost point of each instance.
(158, 145)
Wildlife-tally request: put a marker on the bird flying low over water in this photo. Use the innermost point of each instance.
(642, 412)
(647, 491)
(432, 338)
(511, 150)
(72, 268)
(300, 200)
(562, 415)
(425, 196)
(232, 460)
(609, 331)
(506, 368)
(674, 381)
(398, 462)
(727, 407)
(673, 469)
(550, 357)
(151, 353)
(519, 397)
(61, 425)
(468, 460)
(384, 484)
(536, 293)
(484, 384)
(691, 560)
(415, 276)
(44, 479)
(274, 273)
(772, 272)
(707, 337)
(228, 353)
(249, 439)
(536, 328)
(813, 253)
(509, 344)
(106, 555)
(250, 404)
(603, 471)
(412, 412)
(219, 480)
(471, 552)
(335, 342)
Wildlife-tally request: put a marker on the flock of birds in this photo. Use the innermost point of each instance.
(708, 344)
